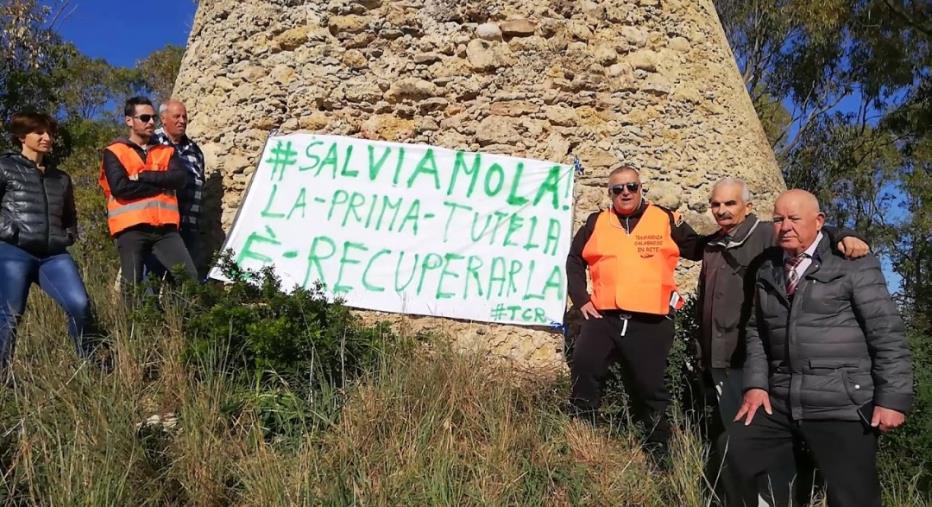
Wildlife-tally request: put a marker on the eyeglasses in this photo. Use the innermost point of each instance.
(618, 189)
(145, 118)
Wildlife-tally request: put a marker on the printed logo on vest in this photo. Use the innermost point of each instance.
(648, 244)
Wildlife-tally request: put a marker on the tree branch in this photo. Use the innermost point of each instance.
(906, 18)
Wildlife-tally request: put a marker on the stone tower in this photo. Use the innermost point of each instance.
(650, 82)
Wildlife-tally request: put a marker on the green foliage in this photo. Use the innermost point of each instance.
(855, 76)
(40, 72)
(774, 117)
(284, 357)
(28, 46)
(803, 60)
(682, 375)
(86, 86)
(906, 454)
(272, 335)
(814, 54)
(77, 153)
(850, 168)
(160, 69)
(911, 252)
(683, 363)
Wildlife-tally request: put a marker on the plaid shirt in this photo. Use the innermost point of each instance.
(191, 197)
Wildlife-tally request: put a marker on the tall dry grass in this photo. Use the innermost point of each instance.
(426, 427)
(446, 429)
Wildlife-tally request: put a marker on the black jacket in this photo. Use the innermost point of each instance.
(724, 297)
(689, 242)
(37, 210)
(726, 288)
(150, 183)
(837, 345)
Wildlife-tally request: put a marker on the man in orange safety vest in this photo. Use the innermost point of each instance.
(631, 251)
(139, 177)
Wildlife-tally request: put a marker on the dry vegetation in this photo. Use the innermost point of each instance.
(423, 426)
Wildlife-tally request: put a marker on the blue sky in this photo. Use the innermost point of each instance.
(123, 32)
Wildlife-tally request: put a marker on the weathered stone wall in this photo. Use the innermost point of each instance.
(649, 82)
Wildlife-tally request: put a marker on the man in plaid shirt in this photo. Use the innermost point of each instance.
(174, 118)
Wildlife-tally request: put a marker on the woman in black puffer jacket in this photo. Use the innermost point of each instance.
(38, 222)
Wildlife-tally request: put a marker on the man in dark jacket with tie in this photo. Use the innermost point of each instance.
(729, 263)
(826, 359)
(730, 259)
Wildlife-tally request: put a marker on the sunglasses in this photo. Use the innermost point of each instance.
(618, 189)
(145, 118)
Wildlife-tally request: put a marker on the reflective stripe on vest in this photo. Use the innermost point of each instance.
(140, 205)
(632, 272)
(158, 210)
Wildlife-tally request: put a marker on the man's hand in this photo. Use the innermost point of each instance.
(753, 399)
(853, 248)
(588, 310)
(887, 419)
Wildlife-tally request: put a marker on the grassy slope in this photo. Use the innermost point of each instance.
(428, 427)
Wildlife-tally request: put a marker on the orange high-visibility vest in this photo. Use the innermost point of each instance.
(160, 209)
(633, 272)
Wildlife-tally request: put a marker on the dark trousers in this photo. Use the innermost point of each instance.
(845, 451)
(195, 246)
(58, 276)
(641, 348)
(164, 243)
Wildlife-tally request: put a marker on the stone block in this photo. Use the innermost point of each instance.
(489, 32)
(347, 25)
(497, 130)
(291, 39)
(355, 59)
(560, 115)
(484, 55)
(644, 59)
(513, 108)
(411, 88)
(517, 27)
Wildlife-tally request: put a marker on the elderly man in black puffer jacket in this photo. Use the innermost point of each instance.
(826, 358)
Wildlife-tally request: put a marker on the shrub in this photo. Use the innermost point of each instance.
(269, 335)
(682, 375)
(905, 454)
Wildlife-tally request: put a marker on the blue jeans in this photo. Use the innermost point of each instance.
(58, 276)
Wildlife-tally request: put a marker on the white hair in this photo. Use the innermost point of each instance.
(163, 107)
(728, 180)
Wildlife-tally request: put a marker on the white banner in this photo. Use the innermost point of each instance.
(410, 228)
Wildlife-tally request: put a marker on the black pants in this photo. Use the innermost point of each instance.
(195, 246)
(641, 347)
(845, 451)
(164, 243)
